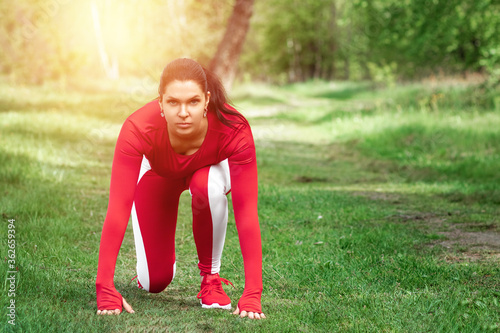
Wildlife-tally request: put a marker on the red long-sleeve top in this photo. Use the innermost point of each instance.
(145, 133)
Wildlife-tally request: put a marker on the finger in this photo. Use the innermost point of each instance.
(257, 315)
(127, 306)
(250, 315)
(237, 311)
(108, 312)
(243, 314)
(263, 316)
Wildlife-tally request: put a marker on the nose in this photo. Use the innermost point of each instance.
(183, 112)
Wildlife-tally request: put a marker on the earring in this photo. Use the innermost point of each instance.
(205, 113)
(161, 112)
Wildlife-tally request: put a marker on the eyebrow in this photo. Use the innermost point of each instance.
(188, 99)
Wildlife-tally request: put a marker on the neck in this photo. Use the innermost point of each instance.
(188, 144)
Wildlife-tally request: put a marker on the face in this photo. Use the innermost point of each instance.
(183, 104)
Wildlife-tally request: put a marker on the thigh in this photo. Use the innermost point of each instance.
(208, 188)
(154, 217)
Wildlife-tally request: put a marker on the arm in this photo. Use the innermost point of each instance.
(125, 171)
(244, 191)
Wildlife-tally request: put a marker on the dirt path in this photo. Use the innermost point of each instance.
(465, 241)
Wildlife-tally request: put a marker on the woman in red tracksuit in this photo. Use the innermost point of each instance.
(188, 139)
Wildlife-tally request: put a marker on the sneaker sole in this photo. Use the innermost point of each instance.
(216, 306)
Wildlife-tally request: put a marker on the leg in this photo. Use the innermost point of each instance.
(154, 218)
(208, 188)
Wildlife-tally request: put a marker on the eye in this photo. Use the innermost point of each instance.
(194, 101)
(172, 103)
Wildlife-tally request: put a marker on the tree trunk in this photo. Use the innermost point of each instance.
(318, 65)
(225, 61)
(110, 64)
(334, 35)
(347, 56)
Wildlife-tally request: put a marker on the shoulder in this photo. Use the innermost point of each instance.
(146, 119)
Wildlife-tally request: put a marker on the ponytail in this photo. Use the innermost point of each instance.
(219, 101)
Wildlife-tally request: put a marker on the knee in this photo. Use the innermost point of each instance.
(158, 287)
(199, 195)
(207, 189)
(159, 283)
(198, 187)
(210, 182)
(211, 197)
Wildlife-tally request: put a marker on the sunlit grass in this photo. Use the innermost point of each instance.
(357, 186)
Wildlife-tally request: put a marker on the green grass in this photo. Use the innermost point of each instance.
(368, 201)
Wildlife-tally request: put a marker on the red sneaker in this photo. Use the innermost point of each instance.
(211, 295)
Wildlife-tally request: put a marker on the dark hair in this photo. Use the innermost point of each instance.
(184, 69)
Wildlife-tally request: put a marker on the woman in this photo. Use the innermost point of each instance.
(188, 139)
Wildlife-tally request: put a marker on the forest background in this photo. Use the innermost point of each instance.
(288, 41)
(376, 130)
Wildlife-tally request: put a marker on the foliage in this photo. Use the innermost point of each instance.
(47, 40)
(32, 49)
(373, 39)
(289, 41)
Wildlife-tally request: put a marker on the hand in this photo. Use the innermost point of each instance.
(126, 306)
(251, 315)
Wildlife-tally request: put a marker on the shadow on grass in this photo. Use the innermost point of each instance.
(324, 117)
(343, 114)
(439, 154)
(358, 162)
(13, 167)
(344, 93)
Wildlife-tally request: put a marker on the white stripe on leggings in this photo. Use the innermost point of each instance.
(219, 184)
(142, 263)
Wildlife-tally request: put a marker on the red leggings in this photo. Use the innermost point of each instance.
(154, 218)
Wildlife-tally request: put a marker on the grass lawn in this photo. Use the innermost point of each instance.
(379, 211)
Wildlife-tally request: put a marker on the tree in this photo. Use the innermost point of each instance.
(225, 61)
(110, 64)
(295, 40)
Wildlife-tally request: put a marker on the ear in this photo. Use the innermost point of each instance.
(207, 99)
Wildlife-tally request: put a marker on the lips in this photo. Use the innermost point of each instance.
(183, 125)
